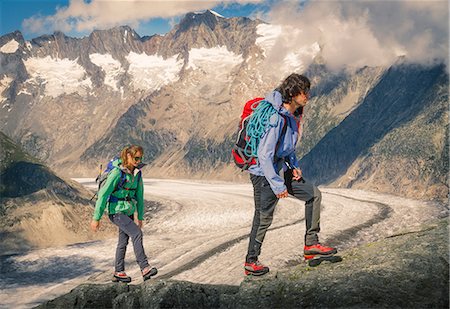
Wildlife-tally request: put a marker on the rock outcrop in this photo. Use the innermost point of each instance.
(38, 208)
(407, 270)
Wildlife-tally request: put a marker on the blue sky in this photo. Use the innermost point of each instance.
(14, 13)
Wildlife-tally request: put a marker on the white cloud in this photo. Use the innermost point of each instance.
(84, 16)
(353, 34)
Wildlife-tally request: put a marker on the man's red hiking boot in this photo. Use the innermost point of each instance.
(121, 277)
(318, 249)
(255, 268)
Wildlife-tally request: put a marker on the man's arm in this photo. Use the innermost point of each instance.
(266, 154)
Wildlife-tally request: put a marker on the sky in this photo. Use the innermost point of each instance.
(78, 18)
(350, 33)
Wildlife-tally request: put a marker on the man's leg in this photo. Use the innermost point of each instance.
(306, 191)
(252, 255)
(265, 202)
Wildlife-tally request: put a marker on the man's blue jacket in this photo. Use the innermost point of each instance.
(270, 164)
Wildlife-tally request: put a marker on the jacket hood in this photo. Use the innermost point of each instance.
(276, 100)
(117, 162)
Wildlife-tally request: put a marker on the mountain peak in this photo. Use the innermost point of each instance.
(194, 19)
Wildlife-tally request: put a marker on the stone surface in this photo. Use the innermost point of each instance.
(407, 270)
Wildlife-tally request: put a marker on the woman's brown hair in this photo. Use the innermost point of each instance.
(132, 150)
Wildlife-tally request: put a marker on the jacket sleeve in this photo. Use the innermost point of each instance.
(266, 154)
(292, 159)
(140, 198)
(104, 193)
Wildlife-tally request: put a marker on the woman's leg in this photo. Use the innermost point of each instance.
(127, 226)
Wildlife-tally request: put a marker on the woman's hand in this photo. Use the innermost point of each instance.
(95, 225)
(140, 223)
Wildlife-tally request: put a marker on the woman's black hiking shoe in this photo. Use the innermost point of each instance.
(148, 272)
(121, 277)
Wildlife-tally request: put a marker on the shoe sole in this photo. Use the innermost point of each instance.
(118, 279)
(307, 253)
(316, 260)
(150, 274)
(252, 273)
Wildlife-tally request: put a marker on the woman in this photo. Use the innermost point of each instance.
(122, 194)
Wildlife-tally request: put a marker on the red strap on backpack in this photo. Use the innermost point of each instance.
(248, 109)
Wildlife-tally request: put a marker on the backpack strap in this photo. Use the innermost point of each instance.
(122, 181)
(120, 186)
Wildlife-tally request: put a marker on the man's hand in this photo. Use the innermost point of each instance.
(283, 194)
(297, 174)
(95, 225)
(140, 223)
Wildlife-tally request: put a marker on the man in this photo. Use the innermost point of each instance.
(276, 153)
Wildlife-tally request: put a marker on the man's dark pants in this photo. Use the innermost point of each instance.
(127, 229)
(265, 202)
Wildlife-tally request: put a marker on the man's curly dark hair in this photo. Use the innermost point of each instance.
(292, 86)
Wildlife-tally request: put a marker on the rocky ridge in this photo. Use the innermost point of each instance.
(406, 270)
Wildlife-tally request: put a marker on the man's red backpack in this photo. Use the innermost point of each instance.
(242, 153)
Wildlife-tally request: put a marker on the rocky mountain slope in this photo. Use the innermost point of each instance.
(38, 208)
(406, 270)
(395, 140)
(74, 103)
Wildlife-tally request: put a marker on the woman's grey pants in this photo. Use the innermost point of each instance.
(127, 229)
(265, 202)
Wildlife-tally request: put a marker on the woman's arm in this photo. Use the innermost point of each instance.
(104, 193)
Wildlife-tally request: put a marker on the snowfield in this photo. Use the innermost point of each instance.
(151, 72)
(199, 232)
(58, 75)
(112, 68)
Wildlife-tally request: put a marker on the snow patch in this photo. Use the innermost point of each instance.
(151, 72)
(217, 14)
(268, 35)
(28, 45)
(4, 84)
(58, 75)
(112, 68)
(217, 60)
(10, 47)
(24, 91)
